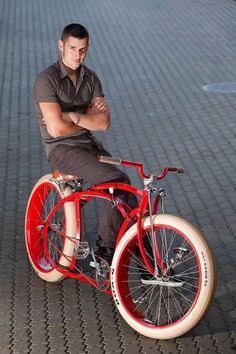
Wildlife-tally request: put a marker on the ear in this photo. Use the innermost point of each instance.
(60, 45)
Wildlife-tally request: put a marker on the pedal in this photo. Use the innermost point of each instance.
(92, 264)
(98, 264)
(102, 274)
(101, 271)
(104, 263)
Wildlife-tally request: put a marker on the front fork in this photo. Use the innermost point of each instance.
(158, 267)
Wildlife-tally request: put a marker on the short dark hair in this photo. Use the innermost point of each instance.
(74, 30)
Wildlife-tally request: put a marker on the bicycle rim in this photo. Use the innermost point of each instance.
(163, 306)
(47, 252)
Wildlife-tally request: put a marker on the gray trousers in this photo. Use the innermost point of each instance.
(82, 161)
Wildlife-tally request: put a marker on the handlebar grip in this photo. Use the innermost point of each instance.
(180, 170)
(110, 159)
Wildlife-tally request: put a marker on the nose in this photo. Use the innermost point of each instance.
(78, 54)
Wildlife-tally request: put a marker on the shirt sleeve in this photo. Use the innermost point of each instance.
(97, 92)
(44, 89)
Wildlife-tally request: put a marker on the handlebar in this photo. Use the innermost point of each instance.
(118, 161)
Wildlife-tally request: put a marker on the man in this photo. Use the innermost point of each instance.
(70, 103)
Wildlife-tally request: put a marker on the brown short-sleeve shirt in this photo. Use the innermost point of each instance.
(54, 85)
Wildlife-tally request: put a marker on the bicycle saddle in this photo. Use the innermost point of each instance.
(60, 176)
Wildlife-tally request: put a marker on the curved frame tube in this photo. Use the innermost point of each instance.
(97, 191)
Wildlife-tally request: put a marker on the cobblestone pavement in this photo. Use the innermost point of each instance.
(153, 57)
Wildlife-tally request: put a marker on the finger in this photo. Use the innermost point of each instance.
(102, 107)
(99, 101)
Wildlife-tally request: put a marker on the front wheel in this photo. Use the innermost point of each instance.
(57, 247)
(171, 302)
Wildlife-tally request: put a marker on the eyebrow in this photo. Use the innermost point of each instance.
(74, 46)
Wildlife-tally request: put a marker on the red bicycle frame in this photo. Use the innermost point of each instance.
(106, 191)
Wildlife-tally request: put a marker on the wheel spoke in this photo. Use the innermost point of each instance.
(168, 296)
(46, 246)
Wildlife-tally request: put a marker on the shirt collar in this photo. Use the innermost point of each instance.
(63, 72)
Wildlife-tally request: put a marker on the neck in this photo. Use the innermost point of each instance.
(71, 71)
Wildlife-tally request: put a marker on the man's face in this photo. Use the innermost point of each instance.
(73, 51)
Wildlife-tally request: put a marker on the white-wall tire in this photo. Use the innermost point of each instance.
(41, 191)
(206, 279)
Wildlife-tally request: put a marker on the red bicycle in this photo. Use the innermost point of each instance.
(162, 276)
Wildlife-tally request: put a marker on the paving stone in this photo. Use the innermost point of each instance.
(4, 349)
(168, 346)
(76, 347)
(20, 346)
(224, 342)
(93, 340)
(206, 344)
(187, 345)
(5, 340)
(40, 349)
(149, 345)
(153, 59)
(95, 350)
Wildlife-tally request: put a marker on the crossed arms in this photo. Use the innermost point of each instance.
(96, 118)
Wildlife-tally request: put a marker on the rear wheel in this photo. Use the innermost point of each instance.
(56, 248)
(174, 301)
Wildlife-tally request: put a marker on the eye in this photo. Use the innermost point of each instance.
(83, 50)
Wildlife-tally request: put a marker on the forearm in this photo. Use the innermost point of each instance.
(60, 124)
(65, 128)
(73, 122)
(91, 120)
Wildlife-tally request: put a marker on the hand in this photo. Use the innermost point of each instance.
(100, 104)
(70, 117)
